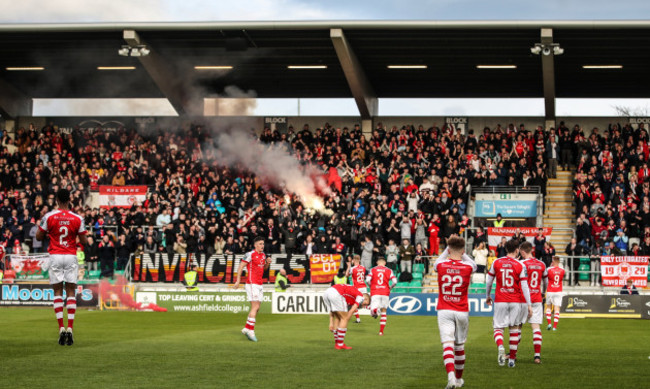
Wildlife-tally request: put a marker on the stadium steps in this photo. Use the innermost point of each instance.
(430, 281)
(559, 209)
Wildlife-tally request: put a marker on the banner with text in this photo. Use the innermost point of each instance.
(43, 295)
(414, 304)
(228, 302)
(521, 208)
(164, 267)
(495, 234)
(121, 196)
(457, 123)
(618, 306)
(324, 267)
(617, 270)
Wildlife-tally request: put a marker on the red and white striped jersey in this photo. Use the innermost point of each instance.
(536, 271)
(349, 293)
(454, 277)
(379, 277)
(555, 277)
(62, 228)
(509, 274)
(358, 274)
(255, 263)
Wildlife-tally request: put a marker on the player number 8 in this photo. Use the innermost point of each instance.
(534, 279)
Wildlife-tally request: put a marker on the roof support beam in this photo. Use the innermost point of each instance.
(13, 103)
(548, 77)
(360, 87)
(169, 83)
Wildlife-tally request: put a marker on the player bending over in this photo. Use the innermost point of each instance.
(537, 282)
(337, 298)
(554, 292)
(454, 270)
(379, 279)
(358, 273)
(510, 310)
(255, 262)
(64, 228)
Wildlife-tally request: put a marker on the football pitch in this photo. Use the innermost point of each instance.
(189, 350)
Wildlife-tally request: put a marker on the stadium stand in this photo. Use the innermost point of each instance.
(611, 192)
(397, 182)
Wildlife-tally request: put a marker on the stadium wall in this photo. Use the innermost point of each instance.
(257, 122)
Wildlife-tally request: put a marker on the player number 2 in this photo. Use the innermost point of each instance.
(507, 279)
(454, 282)
(64, 234)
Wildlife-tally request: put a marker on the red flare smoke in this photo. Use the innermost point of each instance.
(108, 292)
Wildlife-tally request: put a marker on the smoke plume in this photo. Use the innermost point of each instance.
(116, 293)
(236, 147)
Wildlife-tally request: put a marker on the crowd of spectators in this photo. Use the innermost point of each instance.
(399, 187)
(612, 191)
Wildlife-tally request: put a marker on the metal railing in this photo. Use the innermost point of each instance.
(496, 189)
(571, 271)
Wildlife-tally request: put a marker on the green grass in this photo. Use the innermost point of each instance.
(190, 350)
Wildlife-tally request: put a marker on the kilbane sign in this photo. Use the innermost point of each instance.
(222, 302)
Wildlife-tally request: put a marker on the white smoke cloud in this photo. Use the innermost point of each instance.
(236, 147)
(272, 165)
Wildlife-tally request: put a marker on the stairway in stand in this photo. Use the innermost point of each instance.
(430, 282)
(559, 209)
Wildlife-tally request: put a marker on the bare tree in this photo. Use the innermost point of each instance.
(628, 112)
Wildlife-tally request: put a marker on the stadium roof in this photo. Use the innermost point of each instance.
(356, 56)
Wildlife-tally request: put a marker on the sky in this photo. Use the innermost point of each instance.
(41, 11)
(84, 11)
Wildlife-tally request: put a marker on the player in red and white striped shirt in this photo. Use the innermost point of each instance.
(255, 263)
(379, 279)
(537, 281)
(358, 274)
(63, 228)
(554, 292)
(454, 270)
(337, 299)
(512, 303)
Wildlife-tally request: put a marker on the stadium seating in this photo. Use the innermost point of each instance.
(583, 269)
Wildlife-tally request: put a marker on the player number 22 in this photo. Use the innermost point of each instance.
(454, 282)
(64, 234)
